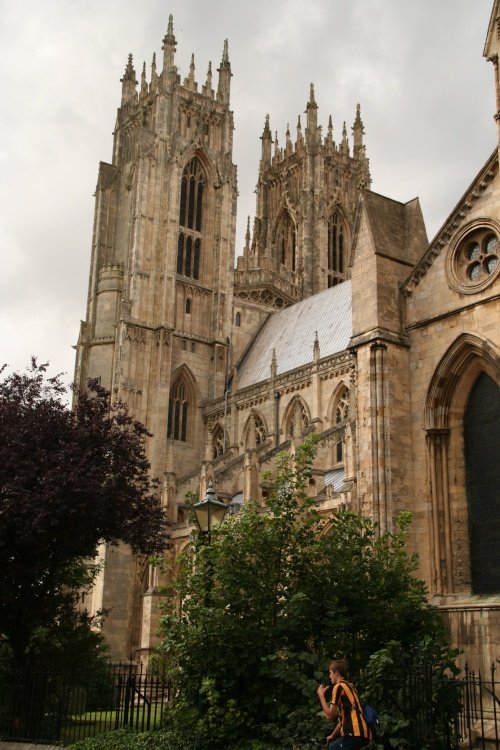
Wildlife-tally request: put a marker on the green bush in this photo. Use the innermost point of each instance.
(125, 739)
(272, 599)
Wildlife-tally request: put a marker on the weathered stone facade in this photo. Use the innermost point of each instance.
(339, 318)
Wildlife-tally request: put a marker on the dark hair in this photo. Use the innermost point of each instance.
(341, 666)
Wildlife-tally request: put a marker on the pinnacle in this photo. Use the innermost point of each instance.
(311, 102)
(169, 37)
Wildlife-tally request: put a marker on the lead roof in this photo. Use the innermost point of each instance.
(291, 333)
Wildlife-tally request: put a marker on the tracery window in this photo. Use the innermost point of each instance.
(256, 424)
(178, 410)
(286, 243)
(218, 441)
(342, 406)
(190, 220)
(474, 259)
(341, 413)
(298, 419)
(336, 250)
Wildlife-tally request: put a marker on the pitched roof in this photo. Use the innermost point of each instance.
(398, 229)
(291, 333)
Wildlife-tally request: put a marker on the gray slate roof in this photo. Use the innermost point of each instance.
(291, 333)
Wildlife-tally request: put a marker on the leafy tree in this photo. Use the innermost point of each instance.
(252, 620)
(69, 480)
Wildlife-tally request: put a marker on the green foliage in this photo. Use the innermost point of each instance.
(69, 479)
(251, 620)
(415, 693)
(125, 739)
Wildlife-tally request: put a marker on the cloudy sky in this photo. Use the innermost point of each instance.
(426, 96)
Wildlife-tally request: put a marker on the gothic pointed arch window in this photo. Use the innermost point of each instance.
(482, 438)
(255, 431)
(286, 242)
(180, 408)
(340, 415)
(297, 419)
(189, 243)
(218, 442)
(336, 250)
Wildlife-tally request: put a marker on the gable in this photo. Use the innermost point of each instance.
(432, 285)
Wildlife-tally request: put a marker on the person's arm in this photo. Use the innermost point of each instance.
(330, 710)
(334, 734)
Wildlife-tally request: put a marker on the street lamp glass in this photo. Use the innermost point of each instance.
(209, 512)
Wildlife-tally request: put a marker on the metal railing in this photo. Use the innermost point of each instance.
(38, 705)
(479, 710)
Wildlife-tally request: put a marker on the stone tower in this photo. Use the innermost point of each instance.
(307, 194)
(307, 197)
(160, 290)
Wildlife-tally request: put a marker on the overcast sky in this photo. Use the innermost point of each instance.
(416, 68)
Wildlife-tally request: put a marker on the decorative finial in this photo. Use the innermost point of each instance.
(274, 364)
(267, 128)
(170, 28)
(129, 74)
(316, 352)
(312, 102)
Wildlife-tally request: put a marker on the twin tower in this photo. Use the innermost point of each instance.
(168, 314)
(164, 295)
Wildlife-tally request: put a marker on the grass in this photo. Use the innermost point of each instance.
(90, 723)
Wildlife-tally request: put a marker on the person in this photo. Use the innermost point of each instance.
(352, 732)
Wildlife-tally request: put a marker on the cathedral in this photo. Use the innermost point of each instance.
(338, 318)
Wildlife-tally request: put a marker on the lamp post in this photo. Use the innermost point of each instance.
(209, 514)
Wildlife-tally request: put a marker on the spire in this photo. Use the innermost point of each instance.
(312, 111)
(316, 351)
(154, 74)
(300, 137)
(357, 132)
(128, 82)
(329, 135)
(344, 146)
(189, 81)
(225, 55)
(312, 101)
(144, 85)
(266, 139)
(224, 85)
(247, 236)
(169, 45)
(274, 364)
(289, 145)
(276, 144)
(207, 88)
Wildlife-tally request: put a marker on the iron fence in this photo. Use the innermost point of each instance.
(477, 723)
(38, 705)
(426, 710)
